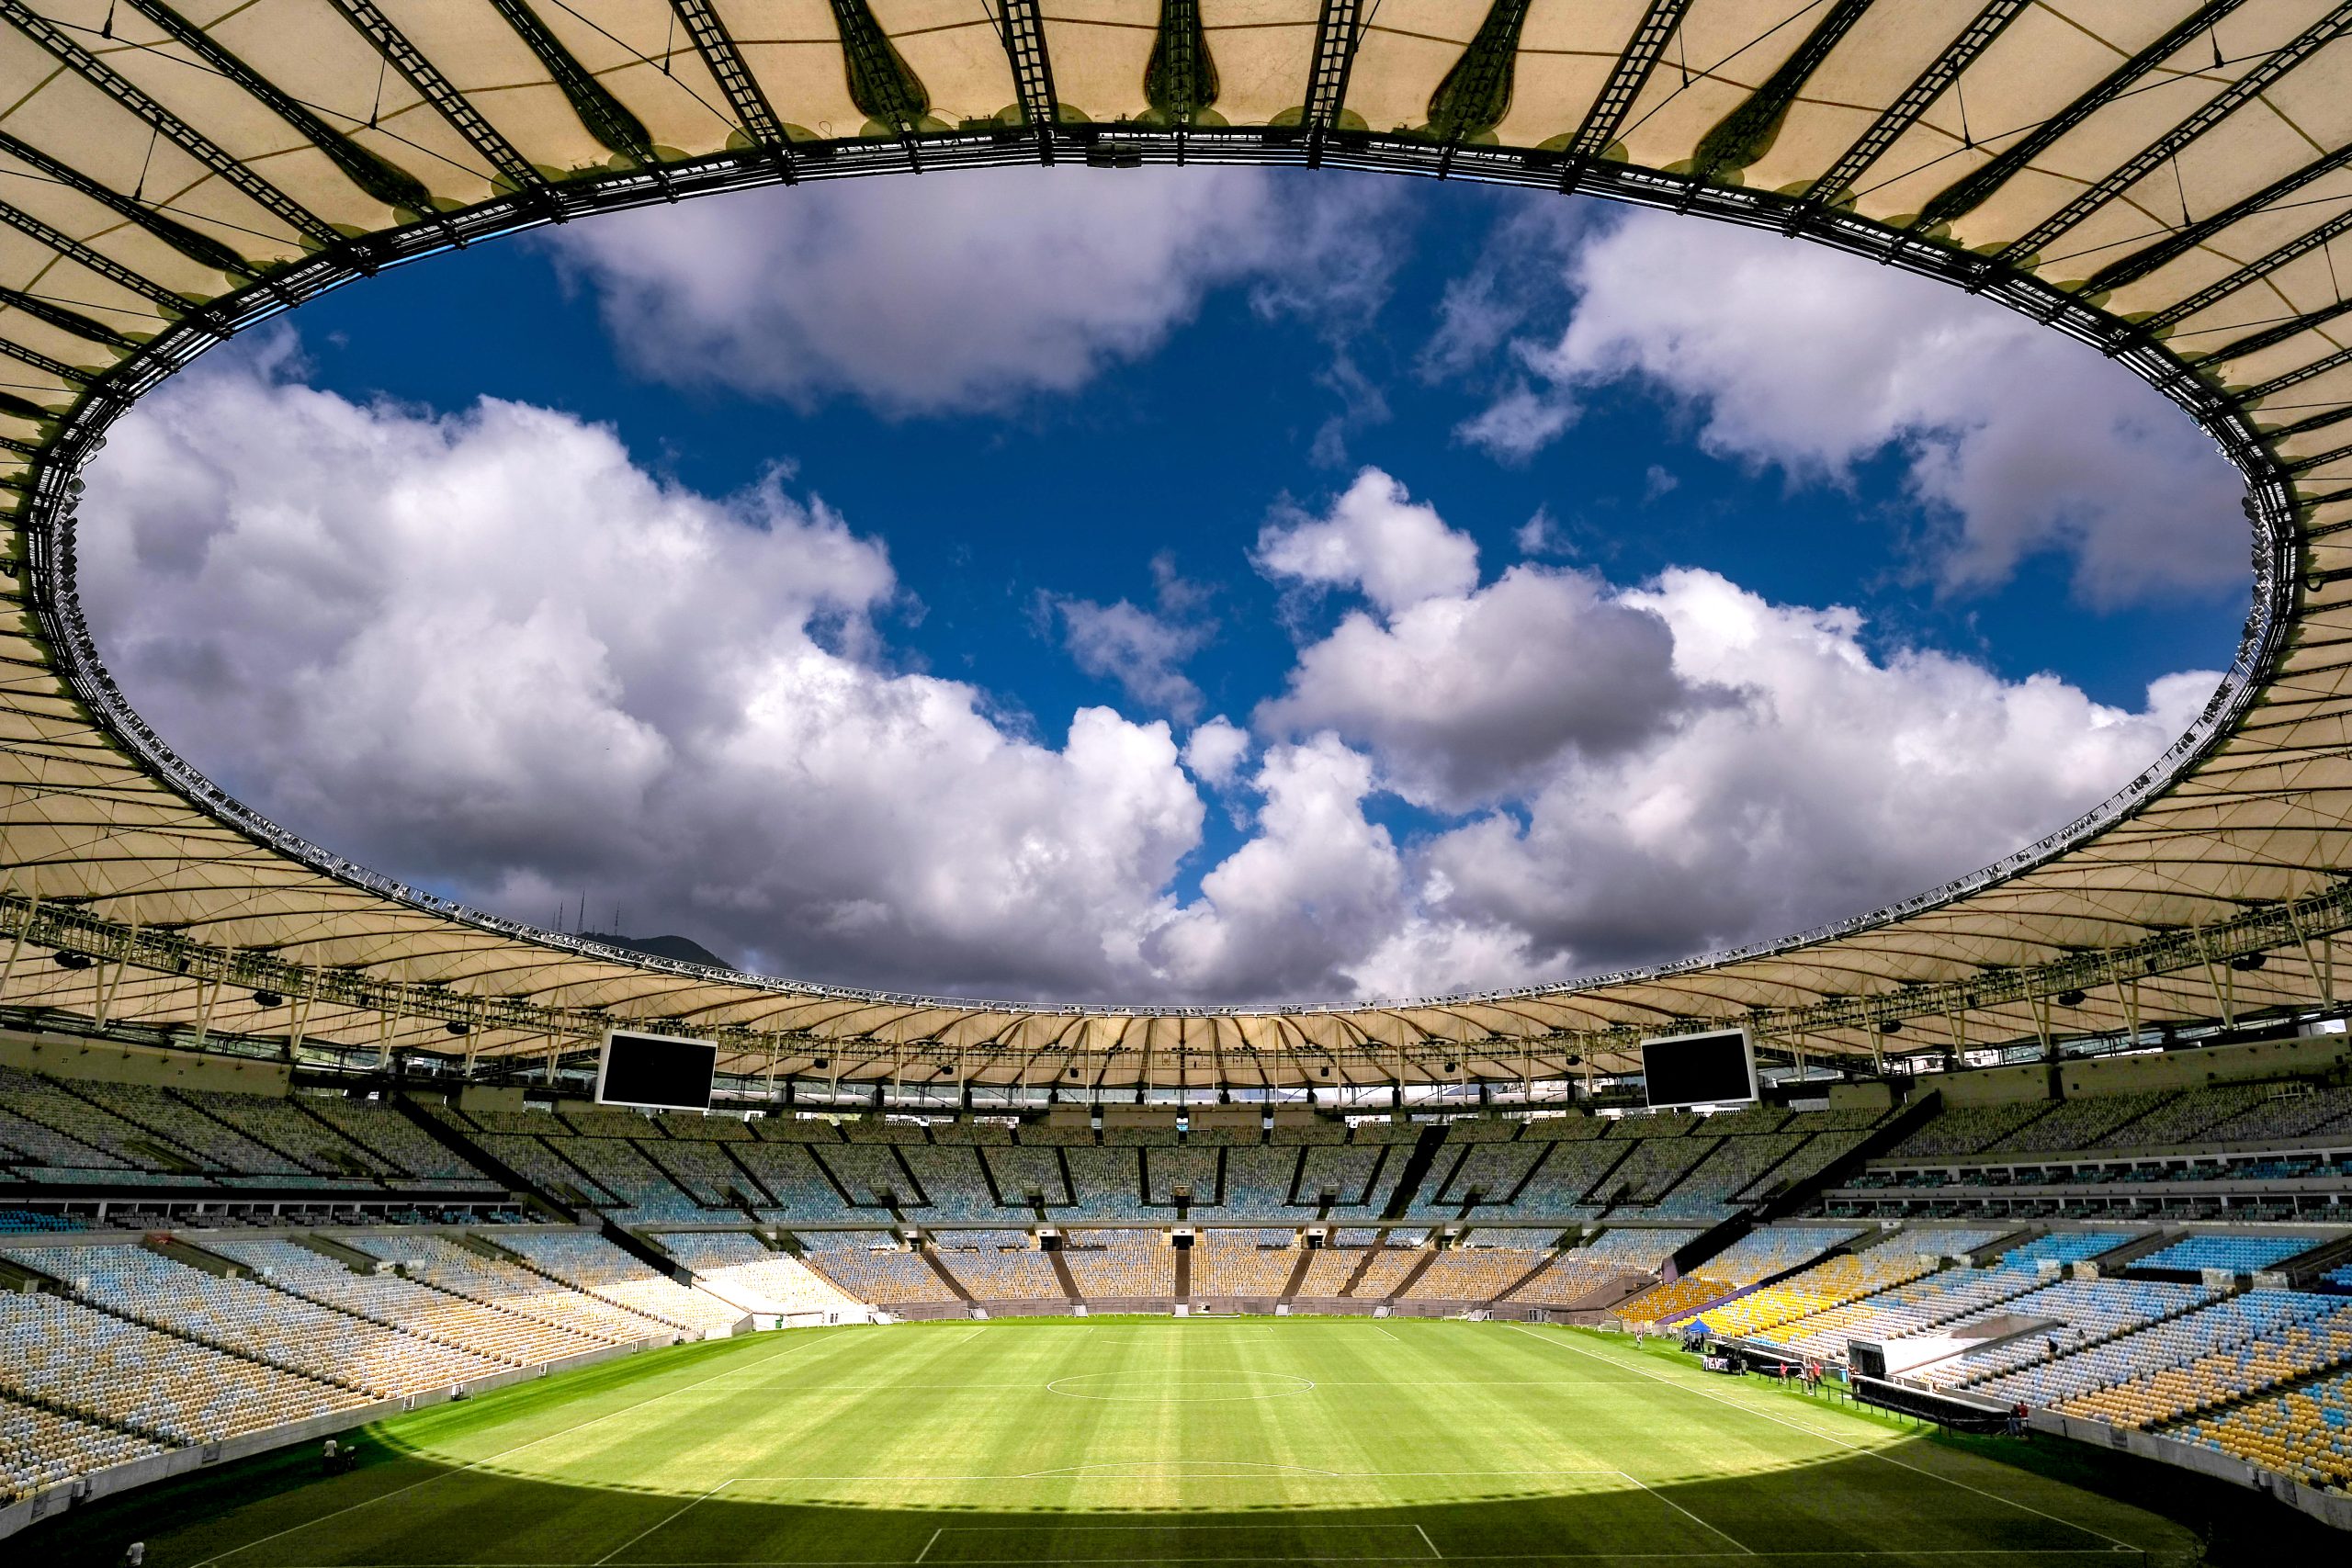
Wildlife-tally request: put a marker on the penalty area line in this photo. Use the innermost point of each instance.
(476, 1464)
(1827, 1436)
(667, 1518)
(1686, 1513)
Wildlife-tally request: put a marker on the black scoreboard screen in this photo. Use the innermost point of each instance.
(1716, 1069)
(656, 1071)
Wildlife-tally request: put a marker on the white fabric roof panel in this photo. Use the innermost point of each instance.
(192, 168)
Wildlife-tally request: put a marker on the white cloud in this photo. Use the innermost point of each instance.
(488, 652)
(1374, 538)
(971, 290)
(1656, 771)
(2019, 441)
(1467, 695)
(1294, 911)
(1143, 652)
(1215, 750)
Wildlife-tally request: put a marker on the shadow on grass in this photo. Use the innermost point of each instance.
(1922, 1498)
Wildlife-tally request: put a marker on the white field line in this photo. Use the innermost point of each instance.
(1825, 1437)
(666, 1518)
(1376, 1328)
(1125, 1469)
(1428, 1542)
(471, 1464)
(1684, 1512)
(2061, 1552)
(929, 1544)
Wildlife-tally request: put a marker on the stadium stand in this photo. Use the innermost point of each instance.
(2233, 1253)
(92, 1364)
(1329, 1269)
(1243, 1263)
(444, 1261)
(2166, 1346)
(1386, 1270)
(1474, 1273)
(40, 1447)
(999, 1266)
(1759, 1255)
(873, 1269)
(1912, 1308)
(2079, 1313)
(1115, 1264)
(426, 1310)
(2303, 1433)
(248, 1318)
(595, 1267)
(1831, 1282)
(745, 1270)
(2062, 1248)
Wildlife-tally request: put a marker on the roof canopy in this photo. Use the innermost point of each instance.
(2156, 177)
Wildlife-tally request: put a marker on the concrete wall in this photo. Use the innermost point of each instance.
(1861, 1095)
(1992, 1086)
(2327, 1507)
(2309, 1057)
(66, 1056)
(491, 1096)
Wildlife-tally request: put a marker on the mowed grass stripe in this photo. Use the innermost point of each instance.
(1324, 1440)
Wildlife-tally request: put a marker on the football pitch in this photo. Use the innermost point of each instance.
(1235, 1440)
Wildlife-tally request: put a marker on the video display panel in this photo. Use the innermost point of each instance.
(656, 1071)
(1714, 1068)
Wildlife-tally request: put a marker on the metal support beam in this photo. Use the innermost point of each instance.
(1020, 27)
(760, 123)
(2180, 241)
(2257, 79)
(58, 41)
(1627, 80)
(2253, 271)
(379, 177)
(1972, 190)
(1916, 100)
(453, 106)
(1336, 34)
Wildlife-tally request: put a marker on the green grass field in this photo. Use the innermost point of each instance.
(1147, 1441)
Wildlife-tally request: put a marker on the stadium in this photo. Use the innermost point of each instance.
(2007, 1223)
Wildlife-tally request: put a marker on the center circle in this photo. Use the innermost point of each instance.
(1186, 1388)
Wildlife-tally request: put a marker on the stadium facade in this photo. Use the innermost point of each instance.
(285, 1146)
(2161, 181)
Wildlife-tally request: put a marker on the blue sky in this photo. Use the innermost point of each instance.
(1298, 454)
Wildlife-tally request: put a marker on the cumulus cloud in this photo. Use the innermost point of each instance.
(2019, 441)
(1216, 751)
(487, 651)
(1374, 538)
(1142, 651)
(1636, 774)
(976, 290)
